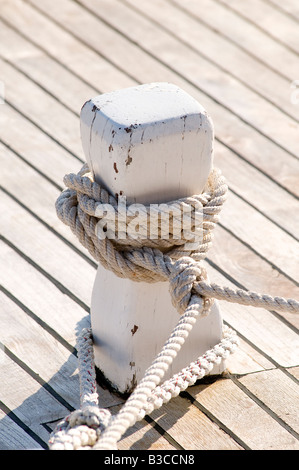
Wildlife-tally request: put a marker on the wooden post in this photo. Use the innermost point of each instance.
(152, 144)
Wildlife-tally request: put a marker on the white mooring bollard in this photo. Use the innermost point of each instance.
(150, 144)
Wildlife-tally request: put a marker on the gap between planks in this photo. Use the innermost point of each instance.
(129, 44)
(254, 140)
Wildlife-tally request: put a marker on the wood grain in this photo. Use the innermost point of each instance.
(238, 60)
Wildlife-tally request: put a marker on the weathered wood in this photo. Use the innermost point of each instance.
(263, 194)
(61, 315)
(289, 6)
(252, 145)
(243, 416)
(191, 428)
(245, 35)
(64, 126)
(260, 327)
(35, 147)
(247, 359)
(51, 255)
(23, 337)
(144, 436)
(30, 403)
(43, 69)
(278, 392)
(13, 437)
(231, 94)
(279, 26)
(253, 228)
(49, 55)
(66, 49)
(249, 270)
(19, 185)
(294, 371)
(218, 51)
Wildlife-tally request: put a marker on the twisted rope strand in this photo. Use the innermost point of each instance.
(243, 297)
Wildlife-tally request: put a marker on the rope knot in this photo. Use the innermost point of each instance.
(185, 273)
(176, 229)
(92, 416)
(81, 429)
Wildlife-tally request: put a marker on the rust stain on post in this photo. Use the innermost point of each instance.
(134, 329)
(128, 160)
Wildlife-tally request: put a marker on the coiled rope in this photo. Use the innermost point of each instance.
(142, 258)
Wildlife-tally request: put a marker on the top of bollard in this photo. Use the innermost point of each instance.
(145, 104)
(152, 142)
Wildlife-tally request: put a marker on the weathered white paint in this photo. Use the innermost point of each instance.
(151, 143)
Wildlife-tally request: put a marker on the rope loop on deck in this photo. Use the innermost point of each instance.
(175, 256)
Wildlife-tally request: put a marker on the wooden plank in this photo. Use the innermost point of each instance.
(263, 185)
(243, 34)
(13, 437)
(191, 428)
(233, 95)
(240, 265)
(36, 148)
(33, 346)
(246, 360)
(250, 184)
(57, 312)
(273, 244)
(144, 436)
(30, 403)
(69, 52)
(19, 185)
(243, 416)
(278, 392)
(28, 348)
(229, 58)
(291, 255)
(261, 328)
(289, 6)
(260, 151)
(279, 26)
(37, 65)
(57, 261)
(65, 126)
(294, 371)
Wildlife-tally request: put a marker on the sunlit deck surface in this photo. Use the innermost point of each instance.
(238, 59)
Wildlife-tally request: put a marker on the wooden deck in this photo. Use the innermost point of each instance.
(238, 59)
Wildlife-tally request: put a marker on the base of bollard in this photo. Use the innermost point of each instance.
(106, 384)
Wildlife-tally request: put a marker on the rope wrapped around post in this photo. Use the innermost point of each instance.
(176, 259)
